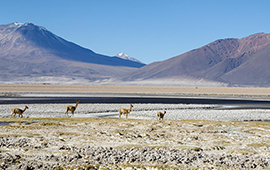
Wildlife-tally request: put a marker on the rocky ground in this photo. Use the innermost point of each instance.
(108, 143)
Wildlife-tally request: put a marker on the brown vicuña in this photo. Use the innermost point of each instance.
(18, 111)
(161, 115)
(71, 108)
(125, 111)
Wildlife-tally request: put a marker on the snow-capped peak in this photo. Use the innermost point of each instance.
(18, 24)
(126, 57)
(122, 55)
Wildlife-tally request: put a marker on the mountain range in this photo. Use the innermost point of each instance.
(32, 54)
(227, 62)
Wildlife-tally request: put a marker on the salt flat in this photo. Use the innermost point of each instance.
(141, 111)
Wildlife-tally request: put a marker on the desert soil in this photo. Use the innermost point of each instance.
(111, 89)
(191, 136)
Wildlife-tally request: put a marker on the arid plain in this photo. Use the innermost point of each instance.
(111, 89)
(191, 136)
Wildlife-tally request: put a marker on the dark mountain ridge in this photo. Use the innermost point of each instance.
(30, 35)
(29, 52)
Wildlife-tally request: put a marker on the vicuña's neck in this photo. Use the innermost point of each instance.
(24, 109)
(76, 104)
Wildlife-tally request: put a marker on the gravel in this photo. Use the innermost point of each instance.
(105, 156)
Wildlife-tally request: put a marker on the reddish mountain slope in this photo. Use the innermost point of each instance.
(231, 61)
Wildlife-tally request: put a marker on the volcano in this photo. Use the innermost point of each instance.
(30, 52)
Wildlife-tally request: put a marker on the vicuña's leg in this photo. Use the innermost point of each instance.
(126, 115)
(66, 113)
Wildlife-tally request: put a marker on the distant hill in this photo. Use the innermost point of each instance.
(32, 53)
(232, 62)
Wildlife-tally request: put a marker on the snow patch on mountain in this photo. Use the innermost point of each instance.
(18, 24)
(126, 57)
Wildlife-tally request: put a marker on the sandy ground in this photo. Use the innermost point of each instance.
(111, 89)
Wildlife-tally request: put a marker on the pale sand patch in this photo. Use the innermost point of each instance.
(117, 89)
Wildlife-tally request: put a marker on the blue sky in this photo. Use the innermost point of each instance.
(149, 30)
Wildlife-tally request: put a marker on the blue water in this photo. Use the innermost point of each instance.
(5, 123)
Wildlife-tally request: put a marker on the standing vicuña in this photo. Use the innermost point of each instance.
(125, 111)
(18, 111)
(161, 115)
(71, 108)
